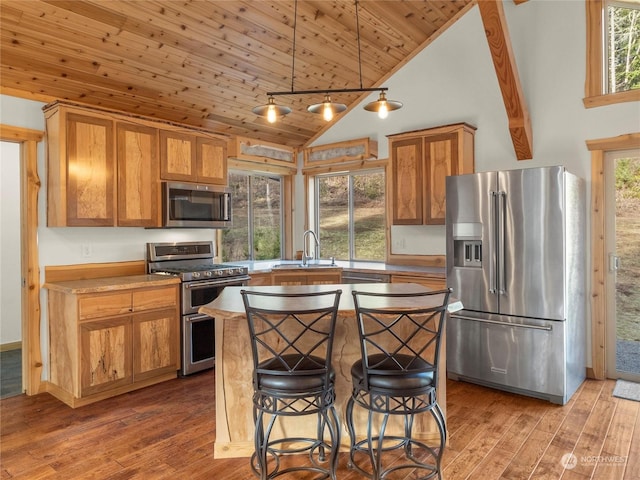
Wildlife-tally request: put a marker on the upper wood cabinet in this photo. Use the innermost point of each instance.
(419, 163)
(104, 168)
(192, 158)
(81, 185)
(138, 192)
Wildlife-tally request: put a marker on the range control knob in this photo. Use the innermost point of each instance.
(219, 273)
(207, 273)
(196, 274)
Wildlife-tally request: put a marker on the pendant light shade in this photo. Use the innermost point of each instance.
(271, 111)
(327, 108)
(382, 105)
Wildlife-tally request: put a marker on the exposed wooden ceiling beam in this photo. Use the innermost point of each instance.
(495, 27)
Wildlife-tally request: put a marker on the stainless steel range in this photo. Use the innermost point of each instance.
(202, 282)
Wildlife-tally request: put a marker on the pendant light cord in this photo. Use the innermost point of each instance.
(295, 25)
(358, 37)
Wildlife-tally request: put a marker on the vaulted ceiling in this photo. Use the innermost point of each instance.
(208, 63)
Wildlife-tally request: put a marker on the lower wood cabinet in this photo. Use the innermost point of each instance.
(105, 344)
(307, 278)
(260, 279)
(433, 282)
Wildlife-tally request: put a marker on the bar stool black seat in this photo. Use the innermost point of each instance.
(291, 343)
(397, 375)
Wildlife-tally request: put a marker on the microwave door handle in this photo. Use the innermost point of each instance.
(226, 202)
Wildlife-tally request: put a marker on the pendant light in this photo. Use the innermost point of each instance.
(382, 106)
(327, 108)
(271, 111)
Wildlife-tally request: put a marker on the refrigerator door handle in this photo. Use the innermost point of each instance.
(493, 260)
(502, 211)
(547, 328)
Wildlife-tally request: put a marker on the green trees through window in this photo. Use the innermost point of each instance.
(623, 45)
(256, 203)
(351, 216)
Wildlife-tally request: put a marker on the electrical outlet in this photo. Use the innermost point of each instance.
(87, 250)
(399, 244)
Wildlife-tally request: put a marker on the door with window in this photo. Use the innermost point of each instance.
(622, 204)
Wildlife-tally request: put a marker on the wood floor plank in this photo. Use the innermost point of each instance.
(167, 431)
(632, 467)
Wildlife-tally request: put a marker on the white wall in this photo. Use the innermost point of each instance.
(10, 276)
(453, 80)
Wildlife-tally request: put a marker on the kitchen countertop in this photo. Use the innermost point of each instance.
(111, 284)
(266, 266)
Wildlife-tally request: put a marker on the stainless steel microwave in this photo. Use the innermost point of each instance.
(191, 205)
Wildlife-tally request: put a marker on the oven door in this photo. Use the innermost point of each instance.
(198, 343)
(200, 292)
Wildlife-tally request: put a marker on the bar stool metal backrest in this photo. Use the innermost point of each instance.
(397, 375)
(291, 343)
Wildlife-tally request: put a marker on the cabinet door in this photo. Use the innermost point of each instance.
(260, 279)
(288, 279)
(138, 198)
(441, 160)
(106, 355)
(90, 171)
(155, 344)
(323, 278)
(177, 156)
(407, 186)
(211, 161)
(435, 283)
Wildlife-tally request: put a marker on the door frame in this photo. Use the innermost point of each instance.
(30, 264)
(598, 148)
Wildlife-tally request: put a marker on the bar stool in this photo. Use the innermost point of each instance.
(397, 375)
(291, 342)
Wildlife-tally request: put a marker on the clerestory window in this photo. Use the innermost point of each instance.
(613, 52)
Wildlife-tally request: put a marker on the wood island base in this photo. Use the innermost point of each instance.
(233, 371)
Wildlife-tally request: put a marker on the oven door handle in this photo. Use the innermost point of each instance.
(217, 283)
(197, 317)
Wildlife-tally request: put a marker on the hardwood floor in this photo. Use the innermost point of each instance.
(167, 431)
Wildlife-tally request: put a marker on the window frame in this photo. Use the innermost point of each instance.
(313, 206)
(595, 81)
(286, 195)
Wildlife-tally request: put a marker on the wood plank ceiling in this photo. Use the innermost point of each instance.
(208, 63)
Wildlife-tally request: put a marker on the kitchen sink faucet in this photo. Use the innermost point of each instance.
(305, 254)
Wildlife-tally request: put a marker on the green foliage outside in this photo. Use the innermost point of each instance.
(628, 248)
(627, 178)
(367, 191)
(624, 47)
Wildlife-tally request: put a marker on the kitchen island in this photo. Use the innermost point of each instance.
(234, 390)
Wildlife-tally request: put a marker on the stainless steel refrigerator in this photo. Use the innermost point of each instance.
(516, 260)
